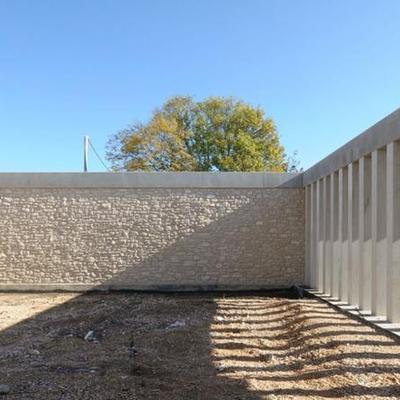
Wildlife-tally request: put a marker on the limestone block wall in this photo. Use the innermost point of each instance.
(150, 236)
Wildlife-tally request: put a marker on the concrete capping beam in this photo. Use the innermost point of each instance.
(379, 135)
(128, 180)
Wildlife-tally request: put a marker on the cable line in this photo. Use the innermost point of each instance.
(98, 156)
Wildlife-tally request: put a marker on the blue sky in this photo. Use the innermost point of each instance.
(323, 70)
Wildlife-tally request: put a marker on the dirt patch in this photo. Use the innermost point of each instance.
(155, 346)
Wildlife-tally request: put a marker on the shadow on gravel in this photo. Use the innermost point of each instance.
(290, 357)
(117, 346)
(191, 346)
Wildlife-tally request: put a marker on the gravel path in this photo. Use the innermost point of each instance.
(155, 346)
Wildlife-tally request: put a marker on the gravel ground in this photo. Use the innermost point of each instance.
(192, 346)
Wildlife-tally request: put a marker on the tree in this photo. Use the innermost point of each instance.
(217, 134)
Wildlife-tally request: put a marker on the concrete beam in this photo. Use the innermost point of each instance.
(151, 180)
(379, 135)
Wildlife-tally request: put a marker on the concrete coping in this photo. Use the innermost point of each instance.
(377, 136)
(150, 180)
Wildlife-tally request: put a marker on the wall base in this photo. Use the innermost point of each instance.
(364, 316)
(65, 287)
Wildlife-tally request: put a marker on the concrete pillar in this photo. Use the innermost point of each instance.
(379, 242)
(353, 236)
(332, 231)
(320, 236)
(343, 232)
(336, 244)
(365, 234)
(313, 236)
(393, 231)
(327, 236)
(308, 236)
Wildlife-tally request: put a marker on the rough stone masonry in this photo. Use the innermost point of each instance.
(185, 238)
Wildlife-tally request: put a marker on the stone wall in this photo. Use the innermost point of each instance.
(151, 238)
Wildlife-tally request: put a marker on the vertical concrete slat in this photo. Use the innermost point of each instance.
(343, 232)
(332, 232)
(312, 234)
(307, 271)
(353, 234)
(321, 280)
(378, 225)
(336, 253)
(365, 247)
(393, 231)
(340, 232)
(327, 237)
(319, 235)
(349, 227)
(322, 220)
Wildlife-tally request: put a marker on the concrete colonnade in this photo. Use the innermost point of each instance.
(353, 233)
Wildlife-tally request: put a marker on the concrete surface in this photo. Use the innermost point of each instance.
(150, 180)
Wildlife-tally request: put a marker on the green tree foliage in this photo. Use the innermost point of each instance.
(217, 134)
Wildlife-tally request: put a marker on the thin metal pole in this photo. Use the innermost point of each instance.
(85, 153)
